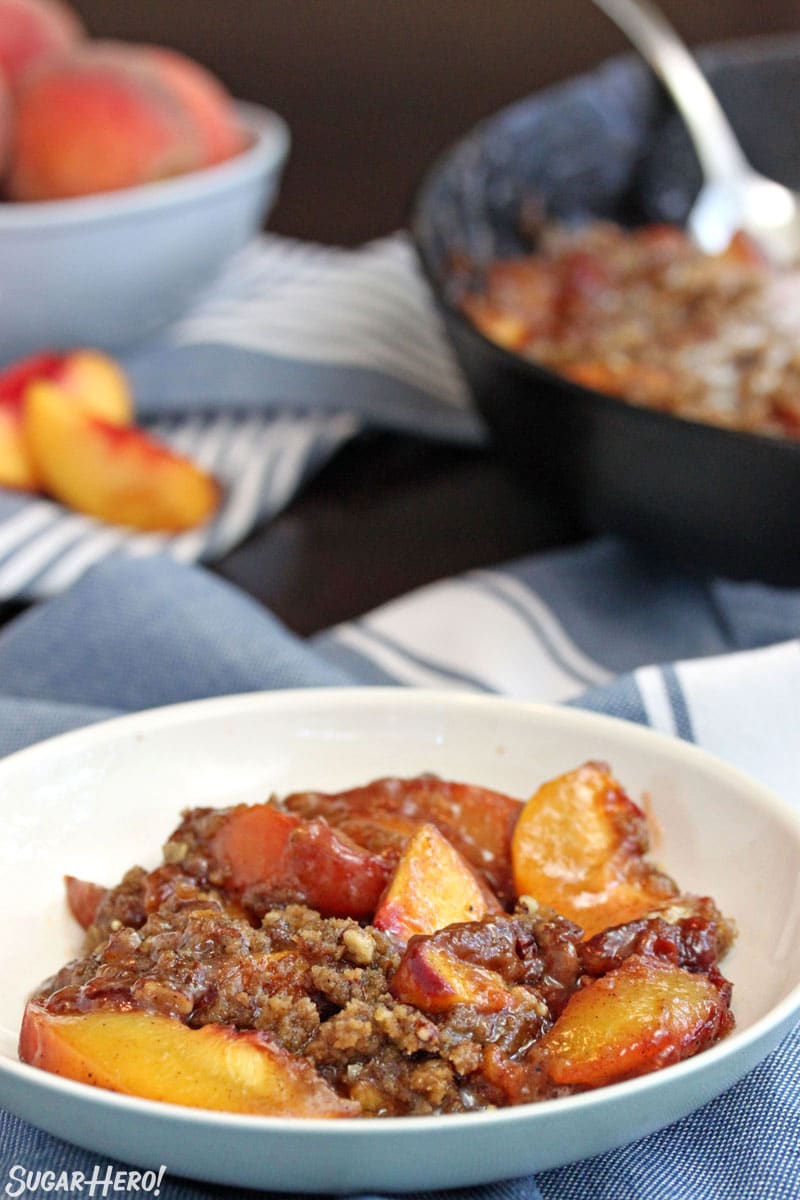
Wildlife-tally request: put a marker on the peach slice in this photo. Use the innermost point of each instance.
(92, 380)
(117, 474)
(250, 843)
(432, 887)
(338, 877)
(159, 1058)
(15, 377)
(579, 848)
(631, 381)
(505, 328)
(742, 249)
(32, 30)
(521, 302)
(386, 812)
(276, 856)
(83, 899)
(638, 1018)
(499, 963)
(526, 286)
(434, 979)
(16, 466)
(98, 383)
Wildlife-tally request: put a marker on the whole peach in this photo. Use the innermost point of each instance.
(110, 115)
(203, 96)
(5, 126)
(30, 30)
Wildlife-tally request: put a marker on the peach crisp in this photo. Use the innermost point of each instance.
(357, 955)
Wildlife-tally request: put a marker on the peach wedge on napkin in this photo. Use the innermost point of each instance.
(87, 378)
(66, 430)
(113, 472)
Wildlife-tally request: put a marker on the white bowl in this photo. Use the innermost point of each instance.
(91, 803)
(111, 269)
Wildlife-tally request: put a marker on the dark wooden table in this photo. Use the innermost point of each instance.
(386, 515)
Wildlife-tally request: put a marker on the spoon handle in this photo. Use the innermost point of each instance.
(720, 154)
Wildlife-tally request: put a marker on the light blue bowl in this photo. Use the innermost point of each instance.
(111, 270)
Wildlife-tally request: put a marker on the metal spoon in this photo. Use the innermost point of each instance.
(734, 196)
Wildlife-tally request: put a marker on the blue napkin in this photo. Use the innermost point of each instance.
(289, 354)
(588, 626)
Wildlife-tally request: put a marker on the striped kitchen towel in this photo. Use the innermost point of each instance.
(605, 626)
(293, 350)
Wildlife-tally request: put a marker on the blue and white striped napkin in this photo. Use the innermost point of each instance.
(603, 626)
(294, 349)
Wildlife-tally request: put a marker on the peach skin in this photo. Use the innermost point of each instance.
(98, 383)
(96, 122)
(434, 979)
(113, 115)
(478, 822)
(5, 127)
(159, 1058)
(118, 474)
(205, 98)
(83, 899)
(16, 466)
(33, 30)
(89, 378)
(264, 850)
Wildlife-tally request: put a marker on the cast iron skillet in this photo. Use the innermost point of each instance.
(608, 144)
